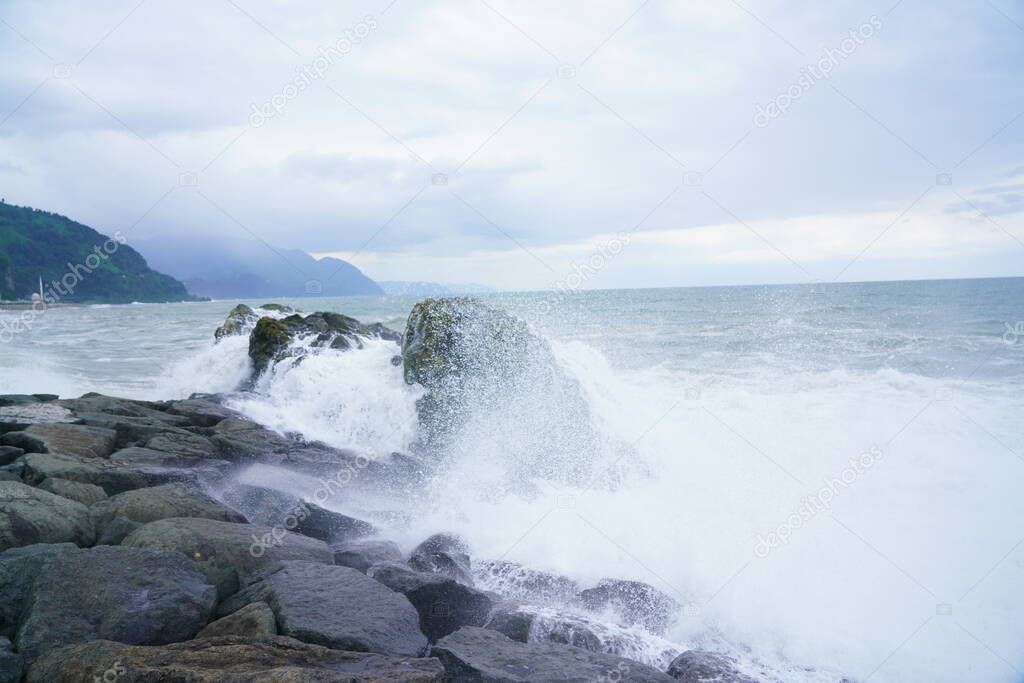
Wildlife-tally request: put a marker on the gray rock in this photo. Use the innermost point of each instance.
(18, 417)
(525, 623)
(29, 515)
(86, 494)
(17, 399)
(255, 619)
(9, 475)
(243, 547)
(98, 403)
(163, 462)
(201, 412)
(513, 580)
(183, 443)
(11, 663)
(70, 439)
(701, 666)
(275, 508)
(443, 604)
(178, 499)
(9, 454)
(229, 659)
(444, 554)
(18, 570)
(108, 476)
(337, 607)
(241, 319)
(128, 595)
(133, 430)
(363, 553)
(485, 656)
(114, 531)
(634, 602)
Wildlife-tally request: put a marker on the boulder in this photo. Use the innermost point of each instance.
(255, 619)
(337, 607)
(476, 654)
(184, 444)
(272, 339)
(69, 439)
(111, 405)
(178, 499)
(18, 570)
(526, 623)
(701, 666)
(363, 553)
(108, 476)
(132, 430)
(443, 554)
(243, 547)
(240, 320)
(229, 659)
(633, 602)
(274, 508)
(86, 494)
(162, 462)
(11, 663)
(129, 595)
(9, 454)
(201, 412)
(443, 605)
(513, 580)
(29, 515)
(114, 531)
(18, 417)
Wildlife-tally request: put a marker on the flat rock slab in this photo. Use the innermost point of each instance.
(241, 546)
(178, 499)
(18, 417)
(337, 607)
(110, 477)
(231, 659)
(70, 439)
(485, 656)
(29, 515)
(130, 595)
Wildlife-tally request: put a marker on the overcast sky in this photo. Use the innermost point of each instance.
(504, 141)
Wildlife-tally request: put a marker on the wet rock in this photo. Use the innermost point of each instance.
(112, 405)
(146, 505)
(362, 554)
(19, 417)
(128, 595)
(476, 654)
(9, 454)
(132, 430)
(701, 666)
(164, 463)
(255, 619)
(86, 494)
(443, 605)
(69, 439)
(11, 663)
(513, 580)
(17, 399)
(184, 444)
(115, 531)
(633, 602)
(444, 554)
(230, 659)
(29, 515)
(201, 412)
(243, 547)
(524, 623)
(108, 476)
(337, 607)
(239, 321)
(274, 508)
(18, 570)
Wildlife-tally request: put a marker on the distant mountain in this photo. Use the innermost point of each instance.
(223, 268)
(76, 263)
(401, 288)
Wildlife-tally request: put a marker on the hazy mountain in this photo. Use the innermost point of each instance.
(223, 268)
(75, 262)
(402, 288)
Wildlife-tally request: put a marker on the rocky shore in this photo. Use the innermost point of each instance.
(130, 550)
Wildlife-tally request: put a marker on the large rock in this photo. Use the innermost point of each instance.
(337, 607)
(183, 443)
(701, 666)
(240, 320)
(244, 547)
(11, 663)
(201, 412)
(165, 463)
(633, 602)
(177, 499)
(29, 515)
(86, 494)
(9, 454)
(111, 405)
(444, 605)
(111, 477)
(525, 623)
(274, 508)
(363, 553)
(513, 580)
(19, 417)
(18, 570)
(272, 339)
(255, 619)
(230, 659)
(129, 595)
(443, 554)
(132, 430)
(476, 654)
(70, 439)
(485, 372)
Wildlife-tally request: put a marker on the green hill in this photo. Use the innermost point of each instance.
(76, 263)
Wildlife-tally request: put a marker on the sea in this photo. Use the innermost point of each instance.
(828, 478)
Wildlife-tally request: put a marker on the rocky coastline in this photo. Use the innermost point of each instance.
(131, 551)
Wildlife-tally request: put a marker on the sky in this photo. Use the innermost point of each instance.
(525, 144)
